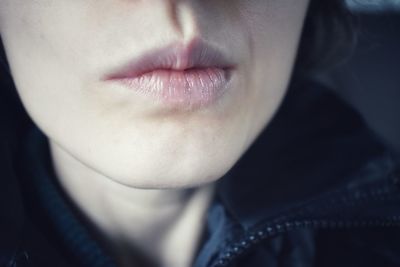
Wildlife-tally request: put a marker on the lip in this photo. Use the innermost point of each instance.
(178, 75)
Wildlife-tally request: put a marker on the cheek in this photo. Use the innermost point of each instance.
(43, 48)
(274, 29)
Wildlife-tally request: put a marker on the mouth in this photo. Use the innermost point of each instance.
(179, 76)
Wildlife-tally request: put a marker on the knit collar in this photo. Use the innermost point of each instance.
(51, 209)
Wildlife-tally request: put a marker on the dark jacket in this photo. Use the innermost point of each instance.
(317, 188)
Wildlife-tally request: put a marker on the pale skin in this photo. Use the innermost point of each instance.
(121, 158)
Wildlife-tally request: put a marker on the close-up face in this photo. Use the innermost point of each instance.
(155, 93)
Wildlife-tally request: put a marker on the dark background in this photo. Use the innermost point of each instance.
(370, 79)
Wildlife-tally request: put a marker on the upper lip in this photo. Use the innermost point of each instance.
(176, 56)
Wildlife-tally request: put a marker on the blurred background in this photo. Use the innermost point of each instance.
(374, 5)
(370, 79)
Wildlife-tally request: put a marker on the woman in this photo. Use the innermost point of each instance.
(173, 133)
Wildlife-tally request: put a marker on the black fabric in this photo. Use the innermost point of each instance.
(11, 216)
(11, 208)
(359, 247)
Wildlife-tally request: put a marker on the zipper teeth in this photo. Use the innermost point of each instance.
(381, 193)
(270, 231)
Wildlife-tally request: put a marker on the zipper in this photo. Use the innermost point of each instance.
(353, 199)
(243, 246)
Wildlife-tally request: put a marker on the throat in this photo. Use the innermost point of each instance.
(136, 223)
(154, 235)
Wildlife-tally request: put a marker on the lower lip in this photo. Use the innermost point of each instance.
(186, 89)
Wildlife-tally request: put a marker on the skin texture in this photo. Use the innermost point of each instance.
(115, 142)
(58, 51)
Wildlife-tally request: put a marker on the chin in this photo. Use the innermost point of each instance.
(177, 181)
(181, 176)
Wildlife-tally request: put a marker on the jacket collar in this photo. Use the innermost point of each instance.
(314, 144)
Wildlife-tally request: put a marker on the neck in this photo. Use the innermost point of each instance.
(152, 223)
